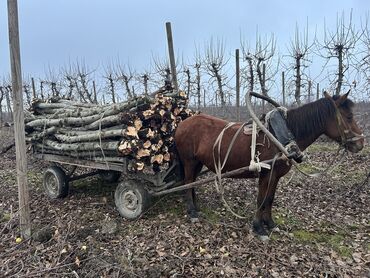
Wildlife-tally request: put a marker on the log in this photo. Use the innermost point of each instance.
(91, 146)
(89, 136)
(35, 136)
(42, 149)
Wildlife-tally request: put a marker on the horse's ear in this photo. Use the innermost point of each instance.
(346, 94)
(342, 98)
(326, 94)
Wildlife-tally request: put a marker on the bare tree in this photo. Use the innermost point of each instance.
(197, 66)
(214, 64)
(339, 45)
(248, 71)
(145, 78)
(42, 89)
(299, 50)
(260, 70)
(126, 76)
(263, 54)
(53, 81)
(363, 65)
(163, 71)
(27, 91)
(83, 78)
(8, 91)
(110, 80)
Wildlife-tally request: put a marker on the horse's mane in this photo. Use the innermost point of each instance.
(310, 119)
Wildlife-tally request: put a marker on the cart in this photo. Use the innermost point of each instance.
(133, 193)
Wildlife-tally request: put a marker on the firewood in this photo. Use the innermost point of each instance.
(167, 157)
(138, 124)
(140, 130)
(142, 153)
(131, 131)
(147, 144)
(157, 158)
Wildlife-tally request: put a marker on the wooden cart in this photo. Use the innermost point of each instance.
(133, 193)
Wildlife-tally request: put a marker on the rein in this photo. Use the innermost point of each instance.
(327, 169)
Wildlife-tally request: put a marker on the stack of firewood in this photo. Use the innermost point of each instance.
(140, 129)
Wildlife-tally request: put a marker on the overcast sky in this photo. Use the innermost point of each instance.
(54, 32)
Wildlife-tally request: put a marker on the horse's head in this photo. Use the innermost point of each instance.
(342, 127)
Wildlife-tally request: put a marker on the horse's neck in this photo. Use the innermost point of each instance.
(305, 129)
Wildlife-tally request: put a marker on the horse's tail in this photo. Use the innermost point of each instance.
(180, 166)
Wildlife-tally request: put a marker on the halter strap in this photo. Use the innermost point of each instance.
(344, 129)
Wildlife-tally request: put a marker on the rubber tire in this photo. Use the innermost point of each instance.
(131, 191)
(110, 176)
(61, 186)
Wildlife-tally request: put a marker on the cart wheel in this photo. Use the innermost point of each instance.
(109, 176)
(131, 199)
(55, 182)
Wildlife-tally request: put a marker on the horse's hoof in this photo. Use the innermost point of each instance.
(194, 220)
(264, 238)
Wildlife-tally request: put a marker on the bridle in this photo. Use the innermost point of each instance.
(347, 135)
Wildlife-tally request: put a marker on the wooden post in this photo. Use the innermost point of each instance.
(20, 142)
(171, 54)
(42, 89)
(33, 88)
(237, 83)
(94, 91)
(317, 91)
(283, 87)
(309, 90)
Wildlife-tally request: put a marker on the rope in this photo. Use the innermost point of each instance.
(219, 167)
(255, 164)
(327, 169)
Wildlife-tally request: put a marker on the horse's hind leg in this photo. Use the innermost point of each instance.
(198, 168)
(191, 170)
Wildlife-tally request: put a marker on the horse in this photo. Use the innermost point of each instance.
(195, 137)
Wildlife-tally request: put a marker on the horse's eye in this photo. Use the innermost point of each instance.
(350, 118)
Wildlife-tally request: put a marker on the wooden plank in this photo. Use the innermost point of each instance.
(229, 174)
(171, 53)
(20, 140)
(120, 167)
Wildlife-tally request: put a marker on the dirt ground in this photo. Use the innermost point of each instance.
(323, 228)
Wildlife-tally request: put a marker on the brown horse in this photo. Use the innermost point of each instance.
(196, 135)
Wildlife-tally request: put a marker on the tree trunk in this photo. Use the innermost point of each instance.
(297, 94)
(283, 87)
(338, 88)
(197, 66)
(237, 84)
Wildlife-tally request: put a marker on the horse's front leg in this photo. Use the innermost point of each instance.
(266, 214)
(265, 198)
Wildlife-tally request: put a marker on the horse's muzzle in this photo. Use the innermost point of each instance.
(355, 146)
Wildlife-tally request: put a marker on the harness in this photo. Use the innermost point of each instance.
(344, 130)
